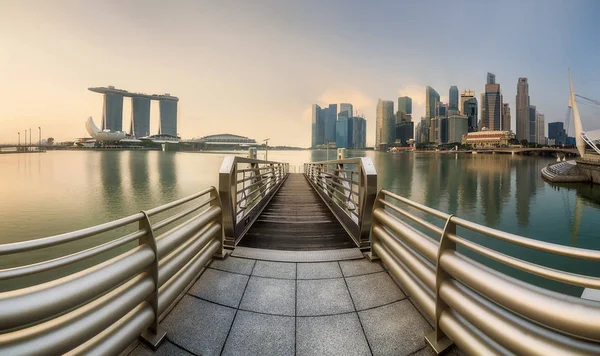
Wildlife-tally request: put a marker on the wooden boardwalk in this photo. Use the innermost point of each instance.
(297, 219)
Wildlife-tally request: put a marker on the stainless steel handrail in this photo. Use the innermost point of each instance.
(348, 187)
(246, 186)
(466, 299)
(105, 307)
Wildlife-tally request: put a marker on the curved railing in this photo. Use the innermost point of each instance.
(103, 308)
(483, 310)
(246, 186)
(348, 187)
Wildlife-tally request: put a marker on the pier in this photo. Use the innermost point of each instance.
(278, 263)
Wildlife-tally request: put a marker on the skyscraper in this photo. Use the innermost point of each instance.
(522, 109)
(348, 108)
(453, 95)
(469, 109)
(168, 117)
(540, 129)
(140, 116)
(112, 112)
(330, 120)
(480, 122)
(556, 132)
(492, 104)
(385, 123)
(457, 127)
(505, 117)
(431, 99)
(359, 127)
(404, 109)
(532, 124)
(318, 127)
(440, 129)
(464, 96)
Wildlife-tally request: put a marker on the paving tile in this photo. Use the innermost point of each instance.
(275, 269)
(323, 297)
(220, 287)
(270, 296)
(373, 290)
(395, 329)
(330, 335)
(199, 326)
(319, 270)
(234, 264)
(359, 267)
(165, 349)
(260, 334)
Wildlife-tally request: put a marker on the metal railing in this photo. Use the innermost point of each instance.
(103, 308)
(246, 186)
(482, 310)
(348, 187)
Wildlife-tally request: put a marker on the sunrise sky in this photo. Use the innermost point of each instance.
(254, 68)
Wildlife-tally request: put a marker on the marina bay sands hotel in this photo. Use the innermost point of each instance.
(112, 111)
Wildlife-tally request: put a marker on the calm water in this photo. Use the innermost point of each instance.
(60, 191)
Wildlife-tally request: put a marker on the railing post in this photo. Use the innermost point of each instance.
(153, 336)
(221, 254)
(372, 255)
(437, 339)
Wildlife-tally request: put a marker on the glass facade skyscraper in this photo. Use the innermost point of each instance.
(469, 109)
(385, 123)
(140, 117)
(493, 107)
(556, 132)
(112, 112)
(505, 117)
(404, 109)
(318, 127)
(330, 120)
(532, 124)
(522, 110)
(168, 117)
(347, 108)
(453, 95)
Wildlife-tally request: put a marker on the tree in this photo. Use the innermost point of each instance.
(524, 143)
(50, 141)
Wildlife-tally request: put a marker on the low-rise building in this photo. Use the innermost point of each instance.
(488, 139)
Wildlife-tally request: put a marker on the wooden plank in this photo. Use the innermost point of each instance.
(297, 219)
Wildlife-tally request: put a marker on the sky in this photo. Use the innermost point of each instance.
(254, 68)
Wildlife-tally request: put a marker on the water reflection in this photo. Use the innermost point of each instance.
(140, 178)
(167, 168)
(111, 179)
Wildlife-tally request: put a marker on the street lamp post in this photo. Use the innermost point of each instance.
(19, 138)
(40, 139)
(266, 141)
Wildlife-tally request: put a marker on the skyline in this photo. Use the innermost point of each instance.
(256, 69)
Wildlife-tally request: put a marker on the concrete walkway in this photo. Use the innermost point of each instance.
(248, 307)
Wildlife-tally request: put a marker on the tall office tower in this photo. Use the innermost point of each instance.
(418, 133)
(385, 123)
(522, 109)
(532, 127)
(318, 127)
(541, 129)
(112, 111)
(168, 117)
(404, 132)
(439, 128)
(453, 95)
(348, 108)
(505, 117)
(140, 117)
(431, 99)
(464, 96)
(404, 109)
(492, 105)
(342, 115)
(458, 125)
(480, 122)
(469, 109)
(359, 132)
(330, 120)
(344, 129)
(556, 132)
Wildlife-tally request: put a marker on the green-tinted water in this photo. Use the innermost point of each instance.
(60, 191)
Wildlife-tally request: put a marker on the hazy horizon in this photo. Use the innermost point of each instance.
(255, 68)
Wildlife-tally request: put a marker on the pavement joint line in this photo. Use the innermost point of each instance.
(356, 311)
(236, 311)
(290, 279)
(181, 347)
(419, 350)
(358, 275)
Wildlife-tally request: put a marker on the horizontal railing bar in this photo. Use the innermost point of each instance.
(270, 168)
(239, 159)
(259, 183)
(29, 245)
(59, 335)
(556, 249)
(263, 191)
(421, 207)
(355, 160)
(546, 272)
(325, 175)
(341, 203)
(181, 214)
(118, 336)
(331, 189)
(331, 181)
(412, 217)
(351, 171)
(414, 238)
(173, 262)
(519, 335)
(184, 200)
(567, 314)
(55, 297)
(174, 286)
(253, 177)
(168, 241)
(62, 261)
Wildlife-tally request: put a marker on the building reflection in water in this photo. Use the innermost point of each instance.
(140, 179)
(167, 172)
(111, 175)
